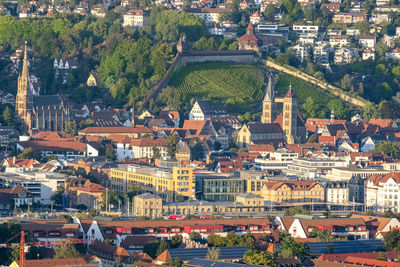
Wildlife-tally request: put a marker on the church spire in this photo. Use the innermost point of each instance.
(25, 70)
(269, 92)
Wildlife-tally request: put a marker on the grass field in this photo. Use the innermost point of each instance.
(301, 89)
(239, 86)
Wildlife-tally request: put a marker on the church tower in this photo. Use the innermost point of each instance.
(289, 121)
(24, 101)
(269, 106)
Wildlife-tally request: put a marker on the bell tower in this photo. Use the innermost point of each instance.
(24, 101)
(289, 120)
(269, 106)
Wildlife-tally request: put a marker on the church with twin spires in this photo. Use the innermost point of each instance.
(287, 127)
(47, 112)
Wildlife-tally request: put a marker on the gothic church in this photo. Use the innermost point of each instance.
(38, 112)
(289, 120)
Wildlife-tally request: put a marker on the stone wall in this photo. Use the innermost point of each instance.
(323, 85)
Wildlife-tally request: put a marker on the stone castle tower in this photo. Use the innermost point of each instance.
(24, 101)
(289, 119)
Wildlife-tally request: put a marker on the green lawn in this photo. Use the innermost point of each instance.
(239, 86)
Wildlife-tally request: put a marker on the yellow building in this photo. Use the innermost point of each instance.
(293, 192)
(148, 205)
(250, 200)
(169, 185)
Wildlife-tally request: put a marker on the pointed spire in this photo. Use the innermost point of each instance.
(289, 93)
(250, 29)
(269, 94)
(133, 114)
(25, 70)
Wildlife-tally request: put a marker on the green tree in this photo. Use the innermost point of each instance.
(65, 251)
(196, 151)
(156, 152)
(108, 241)
(313, 138)
(381, 256)
(29, 153)
(291, 248)
(176, 241)
(176, 262)
(392, 240)
(8, 117)
(323, 235)
(86, 123)
(368, 111)
(194, 236)
(110, 152)
(390, 149)
(51, 157)
(109, 197)
(213, 254)
(162, 247)
(70, 127)
(340, 110)
(310, 108)
(133, 190)
(172, 145)
(269, 12)
(256, 257)
(296, 210)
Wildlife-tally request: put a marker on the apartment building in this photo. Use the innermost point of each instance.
(367, 41)
(166, 183)
(293, 191)
(136, 18)
(310, 168)
(339, 40)
(209, 15)
(308, 29)
(348, 18)
(382, 192)
(276, 161)
(344, 55)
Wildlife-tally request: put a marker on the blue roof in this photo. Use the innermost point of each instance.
(186, 254)
(351, 246)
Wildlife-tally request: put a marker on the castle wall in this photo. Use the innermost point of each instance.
(199, 57)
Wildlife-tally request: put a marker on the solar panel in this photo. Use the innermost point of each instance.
(351, 246)
(191, 253)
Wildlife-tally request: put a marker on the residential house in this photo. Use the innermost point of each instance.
(368, 54)
(8, 137)
(14, 197)
(343, 227)
(104, 132)
(204, 110)
(136, 18)
(135, 148)
(367, 41)
(110, 255)
(51, 262)
(334, 8)
(380, 18)
(393, 54)
(348, 18)
(378, 226)
(337, 192)
(339, 40)
(256, 18)
(88, 194)
(306, 29)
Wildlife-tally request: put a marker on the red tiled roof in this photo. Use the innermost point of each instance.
(261, 148)
(54, 145)
(17, 189)
(116, 130)
(383, 123)
(27, 163)
(55, 262)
